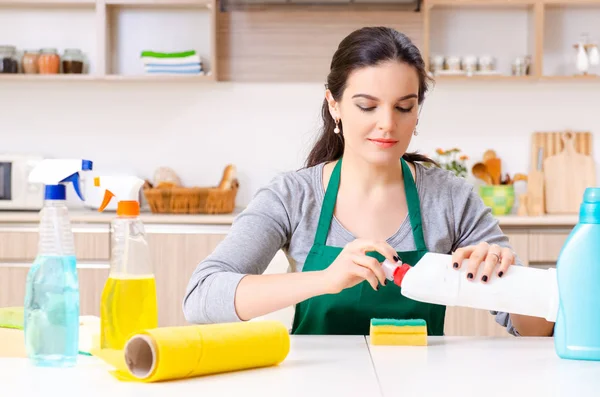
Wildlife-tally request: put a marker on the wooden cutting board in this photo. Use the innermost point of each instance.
(566, 176)
(551, 144)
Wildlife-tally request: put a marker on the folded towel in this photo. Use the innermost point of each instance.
(196, 68)
(156, 54)
(168, 71)
(171, 61)
(174, 66)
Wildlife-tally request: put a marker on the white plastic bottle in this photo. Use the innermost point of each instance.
(521, 290)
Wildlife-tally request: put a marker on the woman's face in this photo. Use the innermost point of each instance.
(379, 111)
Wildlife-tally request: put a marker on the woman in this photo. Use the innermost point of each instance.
(360, 199)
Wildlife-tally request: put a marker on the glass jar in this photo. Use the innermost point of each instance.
(8, 59)
(49, 61)
(72, 61)
(29, 62)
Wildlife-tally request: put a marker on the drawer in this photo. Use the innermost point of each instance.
(546, 246)
(20, 243)
(519, 242)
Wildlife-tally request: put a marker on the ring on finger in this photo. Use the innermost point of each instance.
(497, 256)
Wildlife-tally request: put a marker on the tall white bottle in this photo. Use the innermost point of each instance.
(521, 290)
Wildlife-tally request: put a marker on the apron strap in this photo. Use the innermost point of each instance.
(412, 199)
(414, 207)
(328, 205)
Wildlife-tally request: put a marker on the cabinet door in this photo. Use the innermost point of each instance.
(545, 246)
(20, 242)
(519, 241)
(175, 254)
(464, 321)
(13, 278)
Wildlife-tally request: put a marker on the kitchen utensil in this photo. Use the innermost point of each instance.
(552, 144)
(480, 171)
(535, 187)
(519, 177)
(494, 167)
(522, 206)
(506, 181)
(567, 175)
(489, 154)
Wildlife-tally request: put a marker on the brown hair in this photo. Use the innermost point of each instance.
(364, 47)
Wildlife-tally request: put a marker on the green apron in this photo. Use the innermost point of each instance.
(350, 311)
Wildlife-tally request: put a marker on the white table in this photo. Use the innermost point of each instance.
(316, 366)
(487, 367)
(344, 366)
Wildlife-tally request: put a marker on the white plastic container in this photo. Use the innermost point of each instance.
(521, 290)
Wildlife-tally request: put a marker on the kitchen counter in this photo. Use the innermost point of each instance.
(542, 221)
(347, 366)
(91, 216)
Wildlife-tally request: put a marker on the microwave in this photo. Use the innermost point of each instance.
(16, 193)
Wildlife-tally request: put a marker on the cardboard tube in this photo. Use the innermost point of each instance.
(140, 356)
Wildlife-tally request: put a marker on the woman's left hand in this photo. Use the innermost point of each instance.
(492, 257)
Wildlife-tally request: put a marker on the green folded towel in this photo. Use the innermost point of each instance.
(154, 54)
(11, 317)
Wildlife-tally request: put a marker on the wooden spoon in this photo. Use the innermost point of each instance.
(489, 154)
(494, 168)
(519, 177)
(480, 171)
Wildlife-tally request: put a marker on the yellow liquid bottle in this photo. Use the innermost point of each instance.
(128, 306)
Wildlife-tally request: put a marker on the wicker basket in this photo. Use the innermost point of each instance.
(193, 200)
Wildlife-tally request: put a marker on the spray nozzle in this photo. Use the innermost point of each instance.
(125, 188)
(56, 173)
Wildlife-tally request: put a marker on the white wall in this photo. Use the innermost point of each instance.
(265, 128)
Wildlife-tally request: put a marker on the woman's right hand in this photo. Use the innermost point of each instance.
(352, 266)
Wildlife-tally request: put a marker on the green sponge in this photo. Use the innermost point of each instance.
(11, 317)
(398, 323)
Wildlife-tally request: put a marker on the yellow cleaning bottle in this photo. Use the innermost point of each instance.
(128, 304)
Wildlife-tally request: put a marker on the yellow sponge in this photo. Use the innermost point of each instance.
(398, 332)
(11, 317)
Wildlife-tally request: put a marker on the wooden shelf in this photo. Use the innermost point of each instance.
(46, 2)
(481, 3)
(588, 78)
(161, 3)
(89, 77)
(49, 77)
(161, 77)
(484, 78)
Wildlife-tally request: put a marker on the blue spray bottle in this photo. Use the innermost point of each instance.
(51, 320)
(577, 328)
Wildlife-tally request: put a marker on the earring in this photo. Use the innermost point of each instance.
(415, 132)
(337, 127)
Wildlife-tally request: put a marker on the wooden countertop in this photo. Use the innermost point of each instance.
(91, 216)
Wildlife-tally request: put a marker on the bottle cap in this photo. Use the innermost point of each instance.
(55, 173)
(589, 211)
(400, 272)
(125, 188)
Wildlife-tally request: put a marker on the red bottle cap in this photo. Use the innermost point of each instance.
(399, 273)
